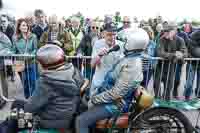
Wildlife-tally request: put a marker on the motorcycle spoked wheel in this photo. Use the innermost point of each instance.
(161, 120)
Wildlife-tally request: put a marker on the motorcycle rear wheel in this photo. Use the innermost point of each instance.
(161, 120)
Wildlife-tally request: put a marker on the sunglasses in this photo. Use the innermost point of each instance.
(126, 22)
(94, 27)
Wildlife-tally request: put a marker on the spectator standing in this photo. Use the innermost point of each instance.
(25, 42)
(76, 34)
(193, 66)
(53, 35)
(173, 49)
(8, 30)
(5, 49)
(148, 64)
(86, 46)
(41, 25)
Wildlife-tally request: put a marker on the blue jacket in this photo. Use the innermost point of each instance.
(184, 36)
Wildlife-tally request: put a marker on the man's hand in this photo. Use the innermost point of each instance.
(179, 55)
(103, 51)
(79, 55)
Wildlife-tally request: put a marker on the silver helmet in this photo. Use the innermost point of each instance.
(51, 56)
(136, 39)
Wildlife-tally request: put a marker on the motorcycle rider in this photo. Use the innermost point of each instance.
(119, 83)
(57, 96)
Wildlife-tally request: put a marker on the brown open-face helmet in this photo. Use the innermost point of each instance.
(51, 56)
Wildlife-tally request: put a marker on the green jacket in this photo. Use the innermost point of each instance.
(21, 46)
(76, 39)
(64, 38)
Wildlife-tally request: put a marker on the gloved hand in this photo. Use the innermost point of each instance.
(90, 104)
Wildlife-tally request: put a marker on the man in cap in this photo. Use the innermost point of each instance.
(173, 49)
(101, 61)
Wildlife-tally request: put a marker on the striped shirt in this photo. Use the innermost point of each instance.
(147, 62)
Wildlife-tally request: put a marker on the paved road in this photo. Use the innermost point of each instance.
(15, 91)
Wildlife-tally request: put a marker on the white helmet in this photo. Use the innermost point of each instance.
(137, 39)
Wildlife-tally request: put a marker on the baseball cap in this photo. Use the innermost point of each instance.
(110, 27)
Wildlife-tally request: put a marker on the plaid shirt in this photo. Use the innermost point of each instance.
(53, 36)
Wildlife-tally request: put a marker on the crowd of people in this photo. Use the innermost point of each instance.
(110, 74)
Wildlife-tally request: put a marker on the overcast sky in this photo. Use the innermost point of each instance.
(170, 9)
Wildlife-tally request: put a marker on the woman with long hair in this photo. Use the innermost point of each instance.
(25, 42)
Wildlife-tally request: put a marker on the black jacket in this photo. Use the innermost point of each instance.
(167, 48)
(38, 31)
(56, 97)
(9, 31)
(85, 46)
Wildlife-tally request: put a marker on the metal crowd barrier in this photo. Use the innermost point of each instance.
(165, 79)
(174, 80)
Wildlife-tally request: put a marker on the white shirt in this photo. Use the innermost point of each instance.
(107, 62)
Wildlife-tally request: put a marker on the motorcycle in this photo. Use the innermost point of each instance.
(142, 117)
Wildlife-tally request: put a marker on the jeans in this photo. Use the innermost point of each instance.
(170, 75)
(89, 118)
(28, 78)
(190, 80)
(4, 83)
(88, 72)
(77, 63)
(147, 76)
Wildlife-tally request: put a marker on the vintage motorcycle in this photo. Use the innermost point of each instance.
(143, 117)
